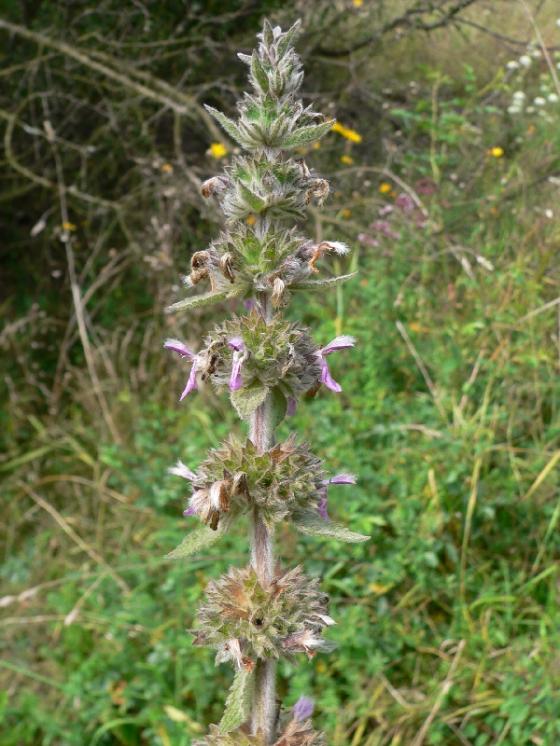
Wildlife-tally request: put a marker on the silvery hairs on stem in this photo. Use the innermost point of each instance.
(258, 614)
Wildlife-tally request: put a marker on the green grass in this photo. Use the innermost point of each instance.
(447, 621)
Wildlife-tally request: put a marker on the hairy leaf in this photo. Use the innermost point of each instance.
(198, 301)
(238, 703)
(306, 135)
(228, 124)
(255, 203)
(246, 400)
(198, 539)
(322, 283)
(313, 525)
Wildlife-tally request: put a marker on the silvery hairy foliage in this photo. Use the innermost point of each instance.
(255, 615)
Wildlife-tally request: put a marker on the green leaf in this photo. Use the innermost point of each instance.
(197, 301)
(258, 72)
(247, 399)
(267, 33)
(288, 38)
(198, 539)
(228, 124)
(305, 135)
(313, 525)
(255, 203)
(279, 406)
(323, 283)
(238, 702)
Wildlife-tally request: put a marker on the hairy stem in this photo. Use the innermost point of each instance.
(262, 559)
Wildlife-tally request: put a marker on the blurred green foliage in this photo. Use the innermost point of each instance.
(448, 619)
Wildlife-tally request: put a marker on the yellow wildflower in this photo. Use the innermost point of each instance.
(346, 132)
(346, 213)
(385, 187)
(251, 220)
(316, 145)
(66, 226)
(167, 168)
(357, 3)
(347, 160)
(496, 152)
(218, 150)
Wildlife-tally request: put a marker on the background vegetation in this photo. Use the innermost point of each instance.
(445, 174)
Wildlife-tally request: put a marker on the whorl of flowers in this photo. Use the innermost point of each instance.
(245, 619)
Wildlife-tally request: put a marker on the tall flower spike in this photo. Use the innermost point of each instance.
(253, 616)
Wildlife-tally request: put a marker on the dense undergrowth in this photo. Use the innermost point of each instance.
(450, 415)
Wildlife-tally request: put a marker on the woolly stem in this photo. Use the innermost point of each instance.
(262, 558)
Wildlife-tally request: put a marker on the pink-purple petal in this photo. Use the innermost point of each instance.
(235, 381)
(175, 345)
(189, 511)
(291, 406)
(327, 379)
(343, 342)
(322, 508)
(303, 709)
(343, 479)
(236, 343)
(191, 383)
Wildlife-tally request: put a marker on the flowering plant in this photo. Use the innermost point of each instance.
(254, 615)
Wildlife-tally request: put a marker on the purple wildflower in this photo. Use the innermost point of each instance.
(405, 202)
(181, 349)
(384, 228)
(303, 709)
(181, 470)
(343, 478)
(367, 239)
(338, 343)
(189, 511)
(238, 346)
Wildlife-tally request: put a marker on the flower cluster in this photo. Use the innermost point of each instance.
(241, 263)
(254, 358)
(235, 478)
(245, 619)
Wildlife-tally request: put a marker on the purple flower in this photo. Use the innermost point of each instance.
(367, 240)
(405, 202)
(189, 511)
(181, 349)
(343, 478)
(238, 346)
(384, 227)
(338, 343)
(303, 708)
(291, 406)
(181, 470)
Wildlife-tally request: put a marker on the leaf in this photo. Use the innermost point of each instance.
(305, 135)
(193, 542)
(246, 400)
(323, 283)
(259, 74)
(267, 33)
(228, 124)
(288, 38)
(197, 301)
(279, 406)
(238, 702)
(255, 203)
(313, 525)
